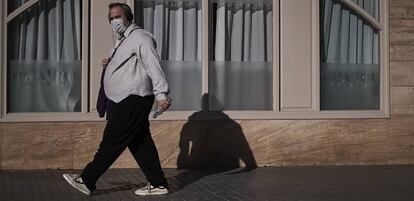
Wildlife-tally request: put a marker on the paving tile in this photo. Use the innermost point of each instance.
(317, 183)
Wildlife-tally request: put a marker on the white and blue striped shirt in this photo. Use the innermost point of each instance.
(135, 68)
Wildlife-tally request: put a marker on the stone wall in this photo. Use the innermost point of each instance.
(225, 143)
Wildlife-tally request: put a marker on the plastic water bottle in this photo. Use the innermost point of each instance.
(160, 111)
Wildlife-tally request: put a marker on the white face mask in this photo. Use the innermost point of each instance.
(118, 26)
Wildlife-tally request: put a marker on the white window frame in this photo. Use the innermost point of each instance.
(88, 113)
(43, 116)
(382, 26)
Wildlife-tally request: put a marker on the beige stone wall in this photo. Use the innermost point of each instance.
(272, 142)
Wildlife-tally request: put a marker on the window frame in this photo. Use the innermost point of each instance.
(43, 116)
(88, 113)
(382, 26)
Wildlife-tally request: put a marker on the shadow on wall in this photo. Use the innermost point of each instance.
(210, 147)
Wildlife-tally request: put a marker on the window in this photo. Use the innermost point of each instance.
(240, 56)
(44, 57)
(250, 59)
(44, 60)
(240, 52)
(350, 56)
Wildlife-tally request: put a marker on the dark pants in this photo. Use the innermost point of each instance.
(127, 126)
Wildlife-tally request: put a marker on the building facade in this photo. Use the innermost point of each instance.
(275, 83)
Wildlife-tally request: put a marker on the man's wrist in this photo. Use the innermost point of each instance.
(160, 96)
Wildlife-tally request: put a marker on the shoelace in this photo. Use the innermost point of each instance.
(79, 180)
(148, 187)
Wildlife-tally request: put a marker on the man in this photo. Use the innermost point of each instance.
(133, 79)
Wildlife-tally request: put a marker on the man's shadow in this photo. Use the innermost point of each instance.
(210, 147)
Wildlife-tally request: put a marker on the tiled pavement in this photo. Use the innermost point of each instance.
(362, 183)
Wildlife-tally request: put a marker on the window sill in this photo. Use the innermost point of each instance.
(184, 115)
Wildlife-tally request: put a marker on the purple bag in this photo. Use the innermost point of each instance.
(101, 102)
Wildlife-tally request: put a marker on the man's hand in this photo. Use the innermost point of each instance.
(105, 62)
(163, 104)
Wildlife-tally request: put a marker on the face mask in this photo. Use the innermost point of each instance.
(118, 26)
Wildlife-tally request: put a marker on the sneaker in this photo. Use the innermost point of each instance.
(151, 190)
(76, 182)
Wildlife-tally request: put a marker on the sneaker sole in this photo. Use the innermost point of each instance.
(155, 193)
(73, 185)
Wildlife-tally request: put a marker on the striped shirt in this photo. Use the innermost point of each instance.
(135, 67)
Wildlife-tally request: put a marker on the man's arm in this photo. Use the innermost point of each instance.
(151, 60)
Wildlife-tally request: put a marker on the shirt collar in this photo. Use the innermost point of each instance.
(131, 27)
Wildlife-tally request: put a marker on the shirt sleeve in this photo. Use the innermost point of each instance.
(151, 60)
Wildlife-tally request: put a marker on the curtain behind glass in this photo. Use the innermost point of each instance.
(240, 73)
(371, 6)
(176, 26)
(350, 74)
(44, 64)
(241, 40)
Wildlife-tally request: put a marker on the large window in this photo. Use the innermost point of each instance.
(251, 59)
(240, 51)
(44, 57)
(350, 56)
(240, 56)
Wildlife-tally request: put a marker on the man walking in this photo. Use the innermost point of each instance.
(133, 79)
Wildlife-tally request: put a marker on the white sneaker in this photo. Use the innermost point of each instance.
(151, 190)
(76, 182)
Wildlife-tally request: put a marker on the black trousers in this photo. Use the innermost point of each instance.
(127, 126)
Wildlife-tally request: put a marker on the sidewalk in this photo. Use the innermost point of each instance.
(348, 183)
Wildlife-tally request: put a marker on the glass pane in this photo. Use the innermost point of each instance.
(14, 4)
(371, 6)
(176, 26)
(350, 70)
(240, 57)
(44, 62)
